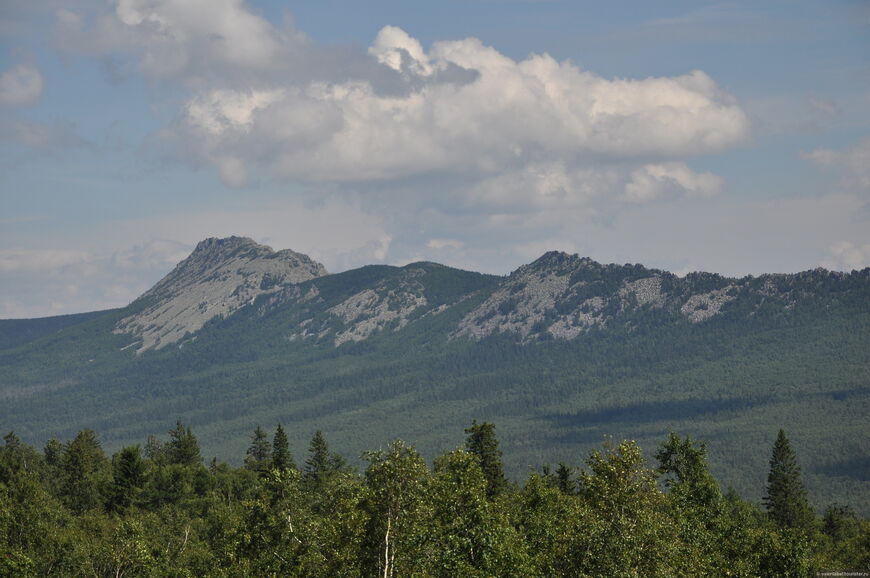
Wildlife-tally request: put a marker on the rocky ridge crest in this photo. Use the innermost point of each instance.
(558, 296)
(218, 278)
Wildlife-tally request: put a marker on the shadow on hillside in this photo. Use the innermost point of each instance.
(857, 468)
(586, 424)
(847, 394)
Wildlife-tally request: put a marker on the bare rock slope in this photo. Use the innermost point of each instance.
(558, 296)
(561, 296)
(218, 278)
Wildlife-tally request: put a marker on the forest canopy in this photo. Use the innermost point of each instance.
(160, 511)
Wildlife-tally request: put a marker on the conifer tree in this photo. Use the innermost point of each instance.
(128, 477)
(182, 448)
(563, 479)
(10, 457)
(86, 474)
(481, 441)
(12, 441)
(322, 464)
(282, 460)
(317, 463)
(53, 452)
(259, 454)
(786, 498)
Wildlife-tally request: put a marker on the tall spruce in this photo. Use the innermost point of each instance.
(786, 498)
(86, 473)
(182, 447)
(321, 464)
(481, 441)
(128, 478)
(318, 457)
(282, 460)
(259, 454)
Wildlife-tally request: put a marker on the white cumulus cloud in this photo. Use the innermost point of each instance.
(191, 39)
(264, 102)
(512, 113)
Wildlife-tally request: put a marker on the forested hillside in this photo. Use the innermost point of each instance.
(16, 332)
(563, 354)
(69, 510)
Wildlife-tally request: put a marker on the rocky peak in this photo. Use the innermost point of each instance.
(219, 277)
(558, 262)
(525, 302)
(215, 248)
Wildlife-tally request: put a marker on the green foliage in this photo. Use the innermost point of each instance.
(402, 518)
(697, 505)
(182, 448)
(259, 454)
(398, 510)
(563, 479)
(688, 476)
(481, 442)
(552, 523)
(17, 458)
(128, 479)
(282, 459)
(845, 539)
(628, 529)
(470, 536)
(322, 464)
(86, 473)
(786, 498)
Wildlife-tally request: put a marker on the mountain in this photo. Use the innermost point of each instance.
(217, 279)
(561, 354)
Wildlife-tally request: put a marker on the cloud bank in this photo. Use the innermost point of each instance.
(505, 116)
(265, 102)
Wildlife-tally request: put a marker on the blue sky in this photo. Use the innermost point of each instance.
(723, 136)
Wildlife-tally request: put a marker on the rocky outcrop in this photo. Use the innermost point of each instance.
(705, 305)
(218, 278)
(387, 305)
(368, 312)
(558, 296)
(563, 296)
(524, 300)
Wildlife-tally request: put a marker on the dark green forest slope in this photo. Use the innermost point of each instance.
(16, 332)
(418, 352)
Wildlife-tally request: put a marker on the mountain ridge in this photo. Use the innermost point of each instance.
(378, 352)
(558, 295)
